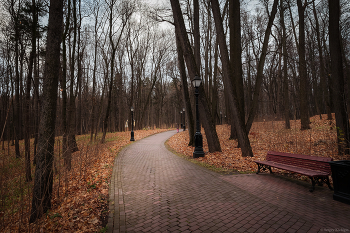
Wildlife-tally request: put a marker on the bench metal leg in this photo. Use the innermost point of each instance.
(258, 169)
(328, 184)
(320, 181)
(264, 168)
(313, 184)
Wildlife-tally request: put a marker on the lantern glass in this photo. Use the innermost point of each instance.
(196, 82)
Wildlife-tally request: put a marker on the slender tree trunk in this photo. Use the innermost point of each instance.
(185, 91)
(304, 113)
(236, 60)
(286, 106)
(323, 78)
(36, 102)
(196, 34)
(93, 101)
(42, 190)
(65, 151)
(17, 114)
(28, 88)
(215, 83)
(339, 97)
(71, 122)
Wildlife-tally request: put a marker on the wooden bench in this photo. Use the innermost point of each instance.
(316, 168)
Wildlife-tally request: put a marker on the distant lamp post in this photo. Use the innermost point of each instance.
(181, 119)
(220, 118)
(184, 118)
(132, 124)
(198, 139)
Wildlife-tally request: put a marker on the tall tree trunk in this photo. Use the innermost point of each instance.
(215, 84)
(78, 122)
(196, 35)
(242, 134)
(28, 88)
(339, 97)
(93, 98)
(17, 114)
(236, 60)
(323, 78)
(304, 113)
(36, 101)
(286, 107)
(42, 190)
(65, 151)
(205, 115)
(185, 91)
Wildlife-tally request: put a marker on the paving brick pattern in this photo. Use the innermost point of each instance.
(153, 190)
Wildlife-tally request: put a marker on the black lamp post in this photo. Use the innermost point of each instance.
(132, 124)
(184, 118)
(220, 118)
(198, 139)
(181, 119)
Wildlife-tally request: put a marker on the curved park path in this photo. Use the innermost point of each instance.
(153, 190)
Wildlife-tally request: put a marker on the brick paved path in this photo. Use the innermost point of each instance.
(153, 190)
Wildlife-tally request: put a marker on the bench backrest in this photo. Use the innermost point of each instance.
(304, 161)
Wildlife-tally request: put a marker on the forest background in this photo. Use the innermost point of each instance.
(259, 61)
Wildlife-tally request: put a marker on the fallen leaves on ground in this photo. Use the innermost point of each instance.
(264, 136)
(80, 196)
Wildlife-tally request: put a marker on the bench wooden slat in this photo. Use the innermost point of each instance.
(308, 164)
(303, 171)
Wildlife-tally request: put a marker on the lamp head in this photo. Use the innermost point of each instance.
(132, 109)
(196, 82)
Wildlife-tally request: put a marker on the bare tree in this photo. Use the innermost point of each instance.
(127, 9)
(339, 97)
(43, 180)
(286, 106)
(304, 113)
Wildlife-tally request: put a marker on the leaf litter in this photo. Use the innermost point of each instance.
(266, 136)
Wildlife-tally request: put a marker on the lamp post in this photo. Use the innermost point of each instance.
(184, 118)
(181, 119)
(220, 118)
(132, 124)
(198, 139)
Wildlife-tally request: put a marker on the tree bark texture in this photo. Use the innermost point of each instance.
(339, 97)
(304, 113)
(236, 59)
(28, 87)
(286, 106)
(186, 95)
(43, 181)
